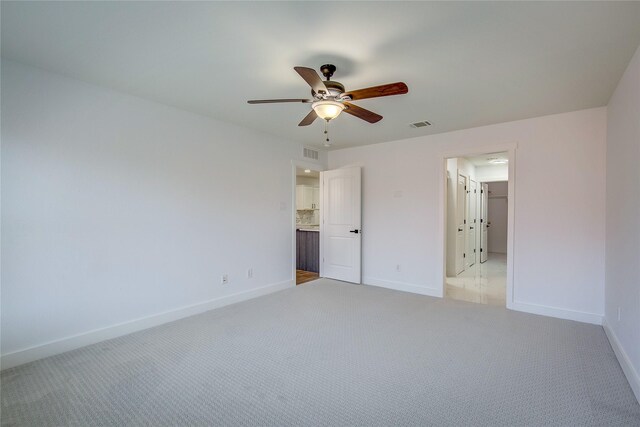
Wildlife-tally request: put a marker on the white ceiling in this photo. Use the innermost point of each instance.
(466, 64)
(312, 174)
(484, 159)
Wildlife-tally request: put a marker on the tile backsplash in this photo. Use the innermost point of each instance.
(307, 217)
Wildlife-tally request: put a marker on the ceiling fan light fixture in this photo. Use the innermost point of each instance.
(327, 110)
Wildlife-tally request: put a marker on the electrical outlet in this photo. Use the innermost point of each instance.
(225, 279)
(619, 313)
(249, 273)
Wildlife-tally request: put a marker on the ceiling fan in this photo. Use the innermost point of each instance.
(329, 99)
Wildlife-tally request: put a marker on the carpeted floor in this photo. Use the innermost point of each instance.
(330, 353)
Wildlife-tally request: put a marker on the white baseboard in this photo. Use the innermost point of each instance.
(627, 367)
(401, 286)
(560, 313)
(62, 345)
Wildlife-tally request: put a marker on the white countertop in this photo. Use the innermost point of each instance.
(308, 227)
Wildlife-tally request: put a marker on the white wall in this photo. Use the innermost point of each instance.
(466, 168)
(560, 163)
(454, 167)
(497, 216)
(115, 208)
(308, 180)
(492, 173)
(623, 228)
(452, 191)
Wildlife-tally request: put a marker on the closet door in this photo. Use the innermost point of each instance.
(461, 198)
(472, 212)
(484, 210)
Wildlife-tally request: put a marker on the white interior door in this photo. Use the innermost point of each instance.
(484, 210)
(340, 228)
(467, 242)
(461, 197)
(472, 205)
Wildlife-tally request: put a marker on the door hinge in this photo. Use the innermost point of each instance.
(465, 221)
(480, 251)
(474, 251)
(481, 220)
(464, 255)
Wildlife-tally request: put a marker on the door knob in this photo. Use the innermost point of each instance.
(459, 229)
(470, 228)
(354, 231)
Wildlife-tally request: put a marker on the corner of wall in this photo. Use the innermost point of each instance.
(623, 358)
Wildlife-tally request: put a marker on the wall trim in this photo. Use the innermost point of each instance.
(402, 286)
(625, 362)
(73, 342)
(560, 313)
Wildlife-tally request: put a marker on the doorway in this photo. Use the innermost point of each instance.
(327, 223)
(477, 216)
(307, 216)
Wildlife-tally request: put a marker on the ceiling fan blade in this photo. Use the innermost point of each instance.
(398, 88)
(274, 101)
(362, 113)
(308, 119)
(312, 78)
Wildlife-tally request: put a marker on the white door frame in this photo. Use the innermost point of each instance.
(304, 165)
(461, 249)
(476, 151)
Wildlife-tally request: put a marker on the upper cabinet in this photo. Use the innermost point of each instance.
(299, 197)
(307, 197)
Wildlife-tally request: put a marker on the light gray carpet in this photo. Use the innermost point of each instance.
(328, 353)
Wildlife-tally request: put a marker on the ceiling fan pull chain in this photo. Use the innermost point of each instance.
(326, 132)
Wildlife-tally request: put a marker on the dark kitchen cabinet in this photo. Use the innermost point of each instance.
(308, 251)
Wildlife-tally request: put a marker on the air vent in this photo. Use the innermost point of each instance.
(310, 154)
(420, 124)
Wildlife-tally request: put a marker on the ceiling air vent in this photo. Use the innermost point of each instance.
(310, 154)
(420, 124)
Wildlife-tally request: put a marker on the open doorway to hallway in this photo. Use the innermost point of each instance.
(477, 223)
(307, 225)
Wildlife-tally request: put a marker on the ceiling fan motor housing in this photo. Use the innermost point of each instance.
(334, 88)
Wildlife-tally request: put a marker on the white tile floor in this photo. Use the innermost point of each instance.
(484, 283)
